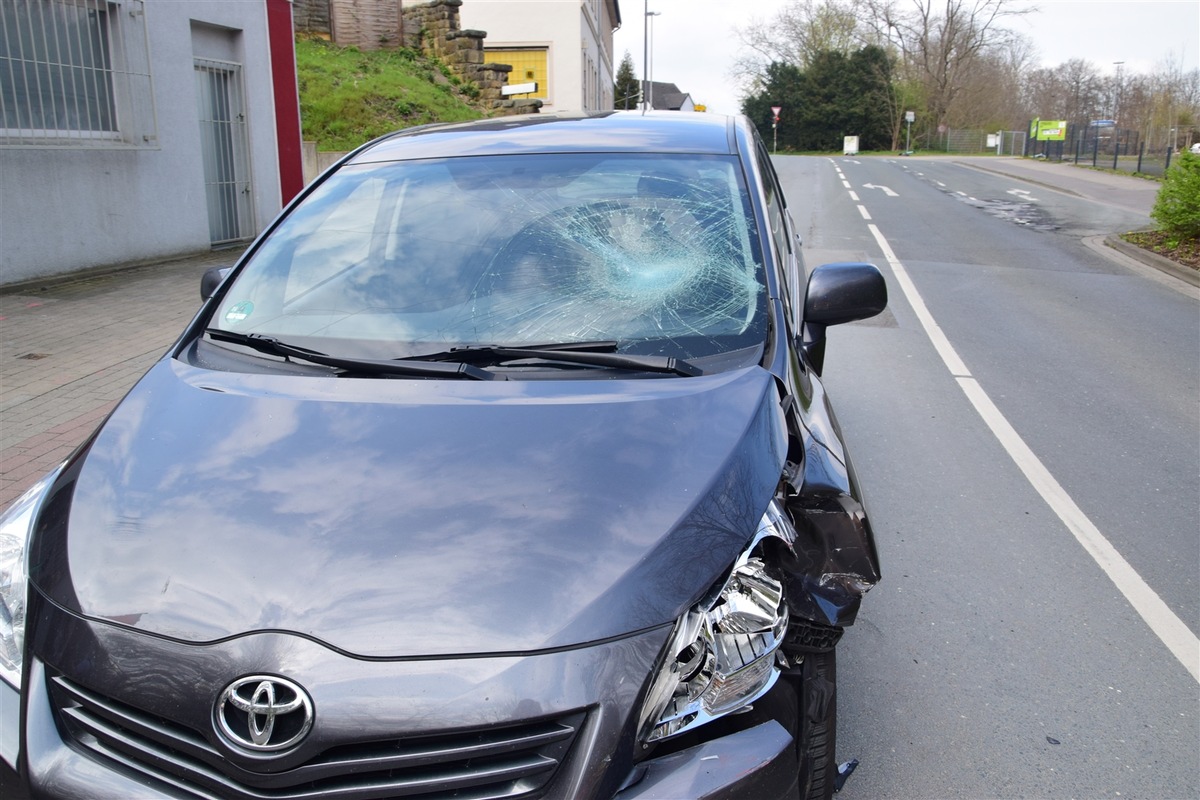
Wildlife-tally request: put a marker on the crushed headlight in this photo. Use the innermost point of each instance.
(721, 655)
(16, 524)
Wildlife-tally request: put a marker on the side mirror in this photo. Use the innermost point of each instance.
(211, 280)
(839, 293)
(844, 292)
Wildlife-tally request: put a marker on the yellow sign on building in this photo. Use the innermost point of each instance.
(528, 65)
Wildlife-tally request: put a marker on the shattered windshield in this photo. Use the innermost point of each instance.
(656, 252)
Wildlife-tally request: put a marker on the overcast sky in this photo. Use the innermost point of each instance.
(694, 44)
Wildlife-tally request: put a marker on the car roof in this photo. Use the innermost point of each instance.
(613, 131)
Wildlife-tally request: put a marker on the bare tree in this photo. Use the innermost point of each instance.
(794, 36)
(1174, 107)
(945, 42)
(1074, 91)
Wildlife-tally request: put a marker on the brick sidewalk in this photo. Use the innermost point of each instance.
(70, 350)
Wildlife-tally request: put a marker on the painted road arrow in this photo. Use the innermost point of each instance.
(886, 190)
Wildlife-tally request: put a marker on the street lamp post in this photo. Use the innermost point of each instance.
(648, 64)
(645, 49)
(1117, 92)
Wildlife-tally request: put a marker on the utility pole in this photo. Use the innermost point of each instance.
(650, 15)
(645, 48)
(1117, 93)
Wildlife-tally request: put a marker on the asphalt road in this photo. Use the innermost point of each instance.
(998, 658)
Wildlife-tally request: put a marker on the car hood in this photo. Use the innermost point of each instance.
(405, 518)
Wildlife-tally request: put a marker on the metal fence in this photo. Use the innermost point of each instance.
(1004, 143)
(1124, 150)
(75, 73)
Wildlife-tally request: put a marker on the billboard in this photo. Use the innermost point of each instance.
(1049, 130)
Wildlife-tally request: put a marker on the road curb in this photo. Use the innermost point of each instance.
(1152, 259)
(1018, 177)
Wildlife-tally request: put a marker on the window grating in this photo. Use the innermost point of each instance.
(75, 73)
(223, 135)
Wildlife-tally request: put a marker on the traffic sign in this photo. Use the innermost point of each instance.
(775, 110)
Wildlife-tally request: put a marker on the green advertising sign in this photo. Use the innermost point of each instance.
(1054, 130)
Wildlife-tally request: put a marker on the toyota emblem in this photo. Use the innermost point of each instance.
(263, 713)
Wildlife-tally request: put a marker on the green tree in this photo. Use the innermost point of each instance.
(781, 87)
(628, 87)
(838, 95)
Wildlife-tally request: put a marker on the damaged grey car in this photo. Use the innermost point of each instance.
(499, 466)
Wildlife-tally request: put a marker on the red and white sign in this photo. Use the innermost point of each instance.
(775, 110)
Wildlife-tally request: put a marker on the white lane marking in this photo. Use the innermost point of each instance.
(862, 210)
(940, 342)
(853, 195)
(964, 194)
(939, 183)
(1178, 638)
(1021, 193)
(885, 189)
(853, 161)
(1173, 633)
(846, 183)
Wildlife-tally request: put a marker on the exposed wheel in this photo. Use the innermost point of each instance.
(818, 725)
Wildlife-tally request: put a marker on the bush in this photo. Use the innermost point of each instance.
(1177, 208)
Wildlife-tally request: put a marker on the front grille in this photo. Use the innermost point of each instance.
(515, 761)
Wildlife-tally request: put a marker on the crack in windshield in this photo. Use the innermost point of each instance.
(648, 266)
(657, 252)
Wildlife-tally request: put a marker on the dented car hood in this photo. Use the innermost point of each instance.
(407, 518)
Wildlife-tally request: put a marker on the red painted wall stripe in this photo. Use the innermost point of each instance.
(287, 98)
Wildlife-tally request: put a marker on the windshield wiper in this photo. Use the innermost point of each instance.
(432, 369)
(597, 354)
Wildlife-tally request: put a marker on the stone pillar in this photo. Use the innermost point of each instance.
(436, 30)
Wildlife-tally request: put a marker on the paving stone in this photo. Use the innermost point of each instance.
(91, 338)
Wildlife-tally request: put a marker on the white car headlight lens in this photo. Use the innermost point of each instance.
(721, 656)
(16, 524)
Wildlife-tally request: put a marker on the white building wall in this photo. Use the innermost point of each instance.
(63, 209)
(596, 36)
(574, 30)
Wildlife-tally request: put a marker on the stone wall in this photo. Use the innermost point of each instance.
(435, 29)
(311, 16)
(366, 24)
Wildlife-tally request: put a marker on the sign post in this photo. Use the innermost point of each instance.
(775, 127)
(909, 116)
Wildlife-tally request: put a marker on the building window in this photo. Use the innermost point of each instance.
(528, 65)
(71, 74)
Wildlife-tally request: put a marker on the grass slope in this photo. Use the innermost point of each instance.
(348, 97)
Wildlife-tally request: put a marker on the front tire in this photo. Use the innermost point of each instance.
(818, 725)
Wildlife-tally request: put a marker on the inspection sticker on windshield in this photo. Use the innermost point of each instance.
(239, 311)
